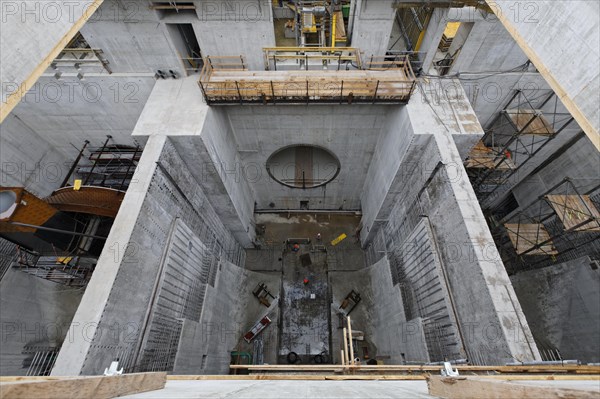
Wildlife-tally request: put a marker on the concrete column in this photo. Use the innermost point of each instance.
(39, 31)
(562, 39)
(373, 23)
(433, 36)
(234, 28)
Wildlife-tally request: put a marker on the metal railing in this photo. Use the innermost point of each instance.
(224, 81)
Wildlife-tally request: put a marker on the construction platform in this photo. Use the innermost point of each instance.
(225, 80)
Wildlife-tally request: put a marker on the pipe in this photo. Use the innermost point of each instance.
(457, 361)
(56, 230)
(544, 363)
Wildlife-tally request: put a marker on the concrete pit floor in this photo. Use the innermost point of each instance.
(308, 322)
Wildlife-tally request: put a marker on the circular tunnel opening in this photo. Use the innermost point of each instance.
(303, 166)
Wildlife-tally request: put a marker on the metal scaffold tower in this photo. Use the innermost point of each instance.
(562, 224)
(519, 132)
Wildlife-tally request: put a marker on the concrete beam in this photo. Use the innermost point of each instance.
(46, 32)
(561, 38)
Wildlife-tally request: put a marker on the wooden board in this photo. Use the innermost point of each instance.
(522, 118)
(573, 210)
(82, 387)
(479, 388)
(525, 236)
(400, 377)
(554, 369)
(485, 157)
(270, 86)
(340, 28)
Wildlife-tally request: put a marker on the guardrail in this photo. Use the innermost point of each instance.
(225, 81)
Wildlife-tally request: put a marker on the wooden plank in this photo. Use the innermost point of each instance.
(567, 368)
(96, 387)
(345, 351)
(300, 377)
(485, 157)
(573, 210)
(323, 377)
(525, 236)
(530, 121)
(478, 388)
(348, 318)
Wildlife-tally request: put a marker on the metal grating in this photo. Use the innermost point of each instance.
(189, 266)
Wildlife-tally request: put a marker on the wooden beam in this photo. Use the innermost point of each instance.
(97, 387)
(350, 339)
(345, 351)
(559, 90)
(564, 370)
(478, 388)
(407, 377)
(14, 98)
(296, 377)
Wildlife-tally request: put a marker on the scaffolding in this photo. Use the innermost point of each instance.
(110, 165)
(66, 270)
(562, 224)
(519, 132)
(226, 81)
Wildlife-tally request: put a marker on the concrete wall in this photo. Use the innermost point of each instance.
(488, 47)
(36, 314)
(580, 163)
(229, 311)
(33, 33)
(434, 183)
(216, 164)
(562, 39)
(234, 28)
(132, 38)
(28, 160)
(416, 268)
(42, 136)
(395, 143)
(392, 334)
(350, 133)
(561, 304)
(373, 23)
(204, 138)
(131, 260)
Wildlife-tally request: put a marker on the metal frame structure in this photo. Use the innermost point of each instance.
(302, 57)
(517, 134)
(110, 166)
(224, 80)
(562, 226)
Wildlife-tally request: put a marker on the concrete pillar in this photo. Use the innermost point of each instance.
(234, 28)
(373, 23)
(38, 31)
(433, 36)
(562, 39)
